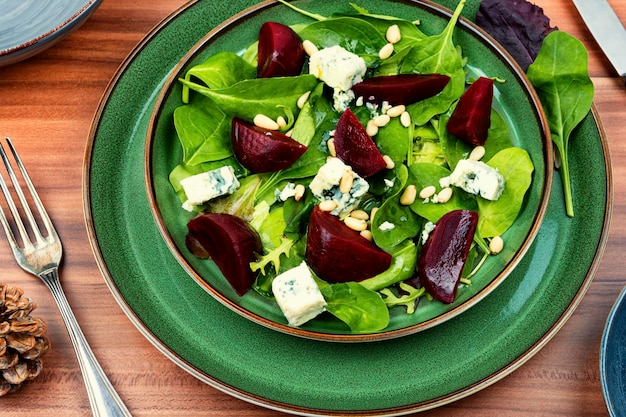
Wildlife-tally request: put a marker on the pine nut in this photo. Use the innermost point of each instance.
(427, 192)
(299, 192)
(393, 34)
(303, 98)
(265, 122)
(328, 205)
(405, 119)
(389, 162)
(309, 47)
(331, 147)
(281, 122)
(359, 101)
(355, 224)
(444, 195)
(367, 234)
(396, 111)
(372, 213)
(409, 195)
(347, 179)
(496, 245)
(371, 128)
(382, 120)
(477, 153)
(359, 214)
(386, 51)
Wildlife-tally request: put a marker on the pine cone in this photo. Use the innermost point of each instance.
(23, 339)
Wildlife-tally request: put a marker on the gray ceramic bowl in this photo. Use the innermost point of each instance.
(28, 27)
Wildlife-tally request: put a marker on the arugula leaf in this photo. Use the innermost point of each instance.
(273, 257)
(409, 300)
(561, 78)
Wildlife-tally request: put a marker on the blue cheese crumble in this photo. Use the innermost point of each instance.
(206, 186)
(325, 186)
(476, 177)
(285, 193)
(339, 69)
(298, 295)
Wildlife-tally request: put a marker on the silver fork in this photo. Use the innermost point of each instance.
(41, 258)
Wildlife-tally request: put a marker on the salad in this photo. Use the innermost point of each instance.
(345, 166)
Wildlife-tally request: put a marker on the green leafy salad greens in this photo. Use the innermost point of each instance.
(225, 86)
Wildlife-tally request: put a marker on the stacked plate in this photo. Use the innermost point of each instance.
(233, 344)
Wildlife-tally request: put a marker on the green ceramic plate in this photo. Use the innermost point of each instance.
(514, 99)
(297, 375)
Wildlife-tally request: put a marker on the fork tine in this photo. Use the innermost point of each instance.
(25, 206)
(13, 209)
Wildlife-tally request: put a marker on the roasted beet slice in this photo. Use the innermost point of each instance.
(280, 52)
(443, 256)
(355, 148)
(231, 243)
(400, 89)
(471, 118)
(339, 254)
(262, 150)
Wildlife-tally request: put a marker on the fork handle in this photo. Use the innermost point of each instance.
(103, 398)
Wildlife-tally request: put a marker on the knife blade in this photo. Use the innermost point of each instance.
(607, 29)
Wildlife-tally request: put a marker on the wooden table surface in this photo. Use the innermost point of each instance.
(47, 105)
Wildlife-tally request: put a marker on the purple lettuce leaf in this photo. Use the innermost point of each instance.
(518, 25)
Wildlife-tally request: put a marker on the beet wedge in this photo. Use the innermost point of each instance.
(400, 89)
(471, 118)
(444, 254)
(355, 147)
(339, 254)
(280, 51)
(263, 150)
(231, 243)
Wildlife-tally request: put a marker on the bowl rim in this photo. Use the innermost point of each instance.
(431, 7)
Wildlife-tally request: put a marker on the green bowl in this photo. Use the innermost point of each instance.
(515, 99)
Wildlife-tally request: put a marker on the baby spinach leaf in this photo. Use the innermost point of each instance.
(268, 96)
(425, 175)
(436, 54)
(203, 131)
(561, 78)
(410, 32)
(495, 217)
(302, 11)
(395, 141)
(403, 262)
(316, 118)
(362, 310)
(220, 71)
(406, 223)
(355, 35)
(454, 149)
(297, 215)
